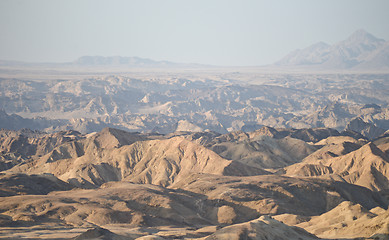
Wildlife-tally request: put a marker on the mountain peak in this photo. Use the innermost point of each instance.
(362, 36)
(114, 138)
(320, 44)
(361, 50)
(112, 60)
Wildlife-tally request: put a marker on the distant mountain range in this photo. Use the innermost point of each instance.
(360, 51)
(120, 61)
(102, 61)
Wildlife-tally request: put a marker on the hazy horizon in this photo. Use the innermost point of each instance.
(236, 33)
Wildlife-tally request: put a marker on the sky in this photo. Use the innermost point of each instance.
(217, 32)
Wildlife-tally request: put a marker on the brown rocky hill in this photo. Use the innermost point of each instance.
(19, 146)
(261, 228)
(113, 203)
(264, 152)
(273, 195)
(328, 148)
(264, 148)
(114, 138)
(101, 158)
(367, 166)
(101, 234)
(349, 220)
(346, 221)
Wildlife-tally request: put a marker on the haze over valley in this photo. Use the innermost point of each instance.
(135, 148)
(141, 95)
(207, 120)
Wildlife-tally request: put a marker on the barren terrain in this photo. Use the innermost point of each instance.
(206, 185)
(130, 148)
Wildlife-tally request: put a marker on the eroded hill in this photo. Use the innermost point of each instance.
(272, 183)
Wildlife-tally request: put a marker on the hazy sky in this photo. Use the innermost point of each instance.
(221, 32)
